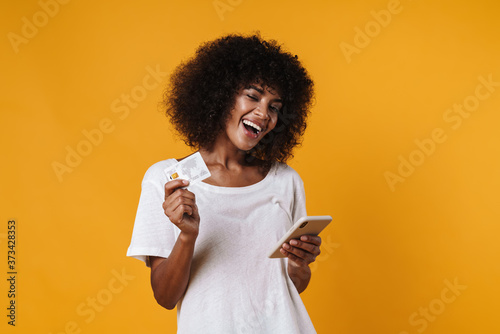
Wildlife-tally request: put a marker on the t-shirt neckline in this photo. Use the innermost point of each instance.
(235, 190)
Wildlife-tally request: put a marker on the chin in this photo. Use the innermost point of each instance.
(246, 148)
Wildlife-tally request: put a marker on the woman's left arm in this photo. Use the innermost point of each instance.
(300, 254)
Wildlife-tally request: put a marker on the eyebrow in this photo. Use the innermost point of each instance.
(261, 91)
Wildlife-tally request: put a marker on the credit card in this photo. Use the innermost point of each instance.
(192, 168)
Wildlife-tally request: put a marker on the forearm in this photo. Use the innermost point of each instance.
(300, 276)
(170, 277)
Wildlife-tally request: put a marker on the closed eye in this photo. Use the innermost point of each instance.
(275, 108)
(253, 97)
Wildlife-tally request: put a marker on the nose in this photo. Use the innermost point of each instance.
(261, 111)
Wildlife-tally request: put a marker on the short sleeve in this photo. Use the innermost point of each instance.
(153, 233)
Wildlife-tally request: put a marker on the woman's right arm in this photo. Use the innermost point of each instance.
(170, 276)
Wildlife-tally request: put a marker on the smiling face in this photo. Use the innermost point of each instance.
(254, 115)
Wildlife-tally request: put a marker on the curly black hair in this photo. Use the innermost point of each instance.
(202, 91)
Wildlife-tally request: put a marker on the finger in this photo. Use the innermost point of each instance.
(182, 202)
(313, 239)
(300, 253)
(309, 247)
(176, 216)
(171, 186)
(195, 213)
(293, 258)
(185, 193)
(180, 193)
(184, 209)
(180, 196)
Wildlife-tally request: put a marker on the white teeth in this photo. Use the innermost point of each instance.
(253, 125)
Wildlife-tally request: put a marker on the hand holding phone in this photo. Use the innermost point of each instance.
(309, 225)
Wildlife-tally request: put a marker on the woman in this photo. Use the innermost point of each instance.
(243, 103)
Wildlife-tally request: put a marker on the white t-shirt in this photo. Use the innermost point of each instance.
(234, 287)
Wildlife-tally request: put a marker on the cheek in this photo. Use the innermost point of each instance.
(272, 122)
(233, 119)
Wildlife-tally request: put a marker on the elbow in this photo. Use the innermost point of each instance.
(165, 302)
(169, 306)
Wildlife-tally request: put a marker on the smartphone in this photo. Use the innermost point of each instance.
(311, 225)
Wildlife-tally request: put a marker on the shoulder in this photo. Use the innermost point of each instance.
(285, 172)
(156, 171)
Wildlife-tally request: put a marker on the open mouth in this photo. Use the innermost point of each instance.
(252, 127)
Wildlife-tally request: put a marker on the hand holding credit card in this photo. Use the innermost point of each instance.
(191, 168)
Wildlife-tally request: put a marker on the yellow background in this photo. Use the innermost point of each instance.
(391, 252)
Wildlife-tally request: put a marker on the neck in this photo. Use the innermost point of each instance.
(224, 153)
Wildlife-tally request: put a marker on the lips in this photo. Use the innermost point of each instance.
(252, 128)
